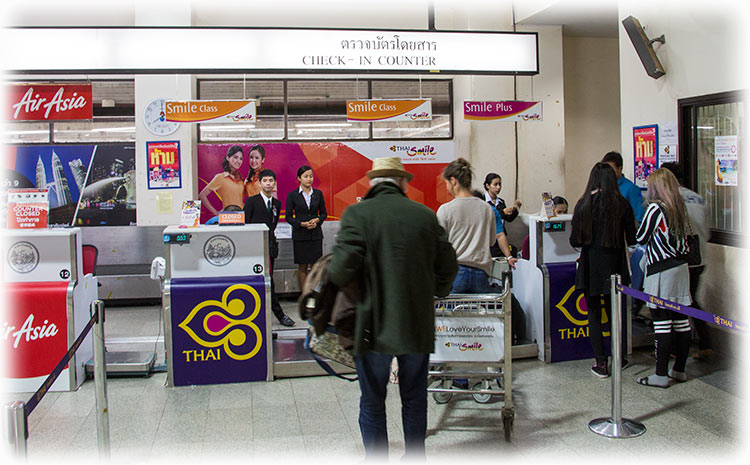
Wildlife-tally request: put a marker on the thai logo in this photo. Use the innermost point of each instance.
(23, 257)
(574, 309)
(227, 323)
(219, 250)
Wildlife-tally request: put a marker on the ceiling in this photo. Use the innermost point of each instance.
(579, 18)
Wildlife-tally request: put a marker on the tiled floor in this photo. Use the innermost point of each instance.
(315, 418)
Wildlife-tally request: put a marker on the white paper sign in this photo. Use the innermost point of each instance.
(726, 153)
(468, 339)
(667, 154)
(668, 133)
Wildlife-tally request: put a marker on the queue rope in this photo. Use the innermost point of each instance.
(39, 394)
(689, 311)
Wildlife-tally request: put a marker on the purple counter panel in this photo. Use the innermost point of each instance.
(568, 316)
(219, 330)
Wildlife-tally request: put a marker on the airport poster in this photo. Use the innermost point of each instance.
(164, 165)
(646, 159)
(339, 169)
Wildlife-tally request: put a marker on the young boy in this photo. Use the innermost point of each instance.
(262, 208)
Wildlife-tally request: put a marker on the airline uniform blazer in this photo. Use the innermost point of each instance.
(256, 212)
(297, 212)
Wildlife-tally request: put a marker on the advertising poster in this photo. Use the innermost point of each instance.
(725, 151)
(339, 169)
(62, 170)
(646, 160)
(163, 165)
(109, 196)
(87, 185)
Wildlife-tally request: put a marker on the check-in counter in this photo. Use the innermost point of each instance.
(216, 303)
(47, 306)
(556, 313)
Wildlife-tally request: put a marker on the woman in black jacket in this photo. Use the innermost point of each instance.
(602, 224)
(306, 211)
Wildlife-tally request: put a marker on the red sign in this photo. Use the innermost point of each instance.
(35, 333)
(27, 208)
(48, 102)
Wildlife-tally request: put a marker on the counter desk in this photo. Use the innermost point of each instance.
(556, 313)
(216, 304)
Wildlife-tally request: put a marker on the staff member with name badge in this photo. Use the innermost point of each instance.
(306, 211)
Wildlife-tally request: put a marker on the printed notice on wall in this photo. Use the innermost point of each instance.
(725, 150)
(668, 138)
(27, 208)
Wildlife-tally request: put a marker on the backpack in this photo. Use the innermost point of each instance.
(331, 314)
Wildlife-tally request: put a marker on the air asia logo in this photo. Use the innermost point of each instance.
(574, 309)
(225, 326)
(424, 152)
(29, 331)
(465, 346)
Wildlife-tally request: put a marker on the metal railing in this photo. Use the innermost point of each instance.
(17, 412)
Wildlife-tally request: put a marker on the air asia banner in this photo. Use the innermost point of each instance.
(221, 111)
(34, 332)
(47, 102)
(219, 330)
(339, 169)
(88, 185)
(508, 111)
(389, 110)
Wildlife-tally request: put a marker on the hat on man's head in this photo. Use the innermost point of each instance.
(388, 167)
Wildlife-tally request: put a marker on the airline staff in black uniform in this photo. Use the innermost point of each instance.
(262, 208)
(306, 211)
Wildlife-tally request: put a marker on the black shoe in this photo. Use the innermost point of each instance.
(286, 321)
(625, 363)
(600, 370)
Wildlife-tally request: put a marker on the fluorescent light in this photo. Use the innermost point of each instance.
(322, 125)
(228, 127)
(26, 132)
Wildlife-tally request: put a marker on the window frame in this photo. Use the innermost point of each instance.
(687, 109)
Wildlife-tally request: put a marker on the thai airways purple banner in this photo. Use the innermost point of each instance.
(507, 110)
(219, 330)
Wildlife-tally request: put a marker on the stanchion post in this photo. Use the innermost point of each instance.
(100, 382)
(16, 428)
(616, 426)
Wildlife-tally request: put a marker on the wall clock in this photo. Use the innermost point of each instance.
(154, 117)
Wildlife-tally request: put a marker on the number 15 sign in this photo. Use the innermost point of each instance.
(163, 165)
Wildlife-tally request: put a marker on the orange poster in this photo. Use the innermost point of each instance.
(389, 110)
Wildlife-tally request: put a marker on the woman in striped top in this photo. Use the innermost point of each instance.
(664, 231)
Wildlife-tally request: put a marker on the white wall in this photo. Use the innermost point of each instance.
(592, 107)
(703, 54)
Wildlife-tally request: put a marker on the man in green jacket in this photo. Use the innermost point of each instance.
(401, 259)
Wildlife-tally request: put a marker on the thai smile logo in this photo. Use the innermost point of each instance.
(226, 324)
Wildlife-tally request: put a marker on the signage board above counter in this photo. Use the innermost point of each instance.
(47, 102)
(142, 50)
(200, 111)
(389, 110)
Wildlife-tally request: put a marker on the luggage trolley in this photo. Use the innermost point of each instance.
(473, 341)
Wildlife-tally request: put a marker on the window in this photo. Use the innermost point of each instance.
(712, 130)
(315, 109)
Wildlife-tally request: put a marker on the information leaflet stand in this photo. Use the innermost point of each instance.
(217, 305)
(48, 302)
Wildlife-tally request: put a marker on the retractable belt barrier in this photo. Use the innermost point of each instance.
(689, 311)
(17, 412)
(40, 393)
